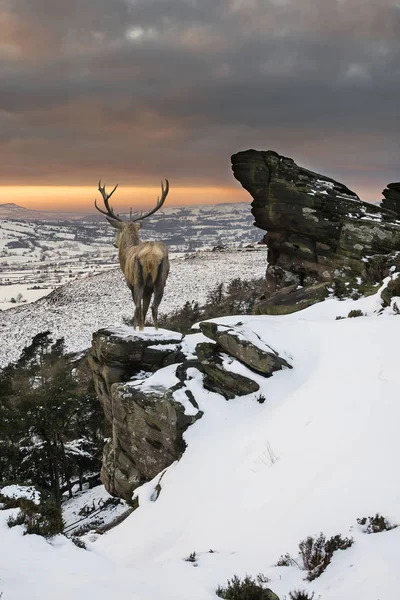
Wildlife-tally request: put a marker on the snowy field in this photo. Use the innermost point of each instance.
(256, 479)
(21, 293)
(38, 252)
(76, 310)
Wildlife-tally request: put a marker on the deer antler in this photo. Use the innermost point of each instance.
(112, 217)
(106, 197)
(160, 202)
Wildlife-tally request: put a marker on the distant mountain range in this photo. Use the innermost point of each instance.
(10, 210)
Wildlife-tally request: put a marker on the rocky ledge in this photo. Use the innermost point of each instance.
(318, 230)
(143, 383)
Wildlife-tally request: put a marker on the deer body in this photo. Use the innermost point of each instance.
(145, 265)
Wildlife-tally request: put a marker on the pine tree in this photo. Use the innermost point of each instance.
(50, 419)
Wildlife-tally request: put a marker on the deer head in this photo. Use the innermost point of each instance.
(134, 223)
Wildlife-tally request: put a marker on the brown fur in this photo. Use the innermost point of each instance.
(145, 266)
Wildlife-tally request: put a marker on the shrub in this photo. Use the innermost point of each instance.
(377, 267)
(375, 524)
(246, 589)
(316, 553)
(340, 289)
(237, 297)
(300, 595)
(339, 318)
(191, 558)
(41, 519)
(78, 542)
(355, 313)
(261, 399)
(94, 524)
(286, 561)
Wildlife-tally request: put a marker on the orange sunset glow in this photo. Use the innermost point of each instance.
(81, 198)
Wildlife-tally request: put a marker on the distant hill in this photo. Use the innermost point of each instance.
(10, 210)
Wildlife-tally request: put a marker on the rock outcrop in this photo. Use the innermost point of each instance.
(253, 353)
(146, 421)
(143, 383)
(392, 290)
(391, 198)
(217, 378)
(318, 230)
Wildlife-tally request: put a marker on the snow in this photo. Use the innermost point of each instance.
(245, 334)
(161, 380)
(181, 397)
(130, 334)
(91, 508)
(21, 491)
(256, 479)
(76, 310)
(28, 294)
(190, 342)
(172, 347)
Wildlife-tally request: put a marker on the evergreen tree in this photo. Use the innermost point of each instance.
(50, 419)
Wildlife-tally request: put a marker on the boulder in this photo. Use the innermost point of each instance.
(147, 425)
(392, 290)
(146, 421)
(318, 229)
(291, 299)
(268, 594)
(253, 353)
(130, 350)
(217, 378)
(117, 354)
(391, 195)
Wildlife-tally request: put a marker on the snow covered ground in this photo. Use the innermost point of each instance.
(76, 310)
(37, 250)
(256, 479)
(10, 295)
(91, 509)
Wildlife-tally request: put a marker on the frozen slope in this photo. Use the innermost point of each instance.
(256, 479)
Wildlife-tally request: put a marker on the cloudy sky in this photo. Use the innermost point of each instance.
(135, 90)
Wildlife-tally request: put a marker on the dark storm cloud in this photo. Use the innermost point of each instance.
(135, 89)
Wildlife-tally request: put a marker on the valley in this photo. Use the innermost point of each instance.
(38, 255)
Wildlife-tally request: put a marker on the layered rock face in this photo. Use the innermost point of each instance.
(143, 383)
(146, 422)
(317, 229)
(391, 195)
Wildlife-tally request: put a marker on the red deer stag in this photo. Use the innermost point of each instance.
(145, 265)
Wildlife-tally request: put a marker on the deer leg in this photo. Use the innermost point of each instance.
(138, 319)
(158, 294)
(134, 309)
(148, 292)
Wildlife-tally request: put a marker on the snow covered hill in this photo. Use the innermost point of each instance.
(10, 210)
(39, 253)
(256, 479)
(77, 309)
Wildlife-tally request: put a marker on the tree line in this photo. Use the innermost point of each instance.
(51, 422)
